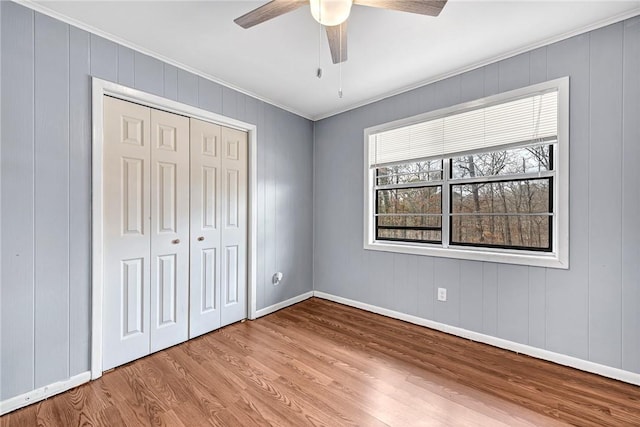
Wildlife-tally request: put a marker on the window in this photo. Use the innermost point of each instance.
(485, 180)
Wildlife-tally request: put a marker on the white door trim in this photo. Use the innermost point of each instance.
(99, 89)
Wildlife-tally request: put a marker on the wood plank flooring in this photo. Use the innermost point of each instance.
(323, 364)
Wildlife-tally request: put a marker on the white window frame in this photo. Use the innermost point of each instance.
(558, 257)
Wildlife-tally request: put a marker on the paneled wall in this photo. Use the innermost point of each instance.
(589, 311)
(46, 181)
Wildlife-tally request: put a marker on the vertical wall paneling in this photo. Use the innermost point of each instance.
(187, 87)
(261, 273)
(514, 72)
(79, 201)
(126, 66)
(281, 263)
(51, 200)
(405, 284)
(446, 92)
(17, 180)
(104, 58)
(282, 215)
(328, 267)
(251, 110)
(631, 197)
(471, 295)
(472, 85)
(538, 65)
(397, 106)
(567, 314)
(229, 104)
(426, 287)
(492, 79)
(148, 74)
(170, 82)
(490, 298)
(347, 217)
(379, 288)
(318, 198)
(295, 201)
(270, 201)
(537, 306)
(425, 97)
(241, 101)
(513, 308)
(210, 96)
(605, 196)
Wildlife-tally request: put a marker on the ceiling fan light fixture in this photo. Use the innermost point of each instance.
(330, 12)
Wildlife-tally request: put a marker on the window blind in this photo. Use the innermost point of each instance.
(524, 120)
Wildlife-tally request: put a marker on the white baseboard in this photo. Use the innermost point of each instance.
(42, 393)
(283, 304)
(561, 359)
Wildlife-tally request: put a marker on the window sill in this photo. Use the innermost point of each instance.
(503, 256)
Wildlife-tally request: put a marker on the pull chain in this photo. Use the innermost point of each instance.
(340, 66)
(319, 71)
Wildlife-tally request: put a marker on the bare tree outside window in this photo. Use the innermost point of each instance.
(496, 199)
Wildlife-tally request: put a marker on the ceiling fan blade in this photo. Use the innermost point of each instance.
(268, 11)
(423, 7)
(337, 36)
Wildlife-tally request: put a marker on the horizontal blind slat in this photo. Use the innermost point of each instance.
(527, 119)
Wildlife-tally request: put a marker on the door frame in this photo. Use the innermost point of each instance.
(100, 88)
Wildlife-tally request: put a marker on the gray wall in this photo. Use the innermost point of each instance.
(45, 187)
(590, 311)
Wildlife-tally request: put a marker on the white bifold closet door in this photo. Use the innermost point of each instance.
(169, 229)
(146, 231)
(175, 229)
(218, 226)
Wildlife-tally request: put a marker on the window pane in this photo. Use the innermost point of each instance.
(505, 162)
(410, 221)
(428, 170)
(523, 231)
(514, 197)
(410, 235)
(502, 214)
(417, 200)
(409, 214)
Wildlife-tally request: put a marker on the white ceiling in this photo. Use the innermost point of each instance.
(389, 51)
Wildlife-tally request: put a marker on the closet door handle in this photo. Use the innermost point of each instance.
(200, 239)
(176, 241)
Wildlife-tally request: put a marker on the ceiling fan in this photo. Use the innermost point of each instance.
(333, 14)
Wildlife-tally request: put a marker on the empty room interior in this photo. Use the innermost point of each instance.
(320, 212)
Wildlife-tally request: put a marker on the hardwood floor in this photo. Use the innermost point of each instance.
(321, 363)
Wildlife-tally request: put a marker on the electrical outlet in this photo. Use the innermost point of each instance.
(276, 279)
(442, 294)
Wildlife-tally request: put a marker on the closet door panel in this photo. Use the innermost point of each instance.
(205, 227)
(234, 225)
(169, 229)
(126, 181)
